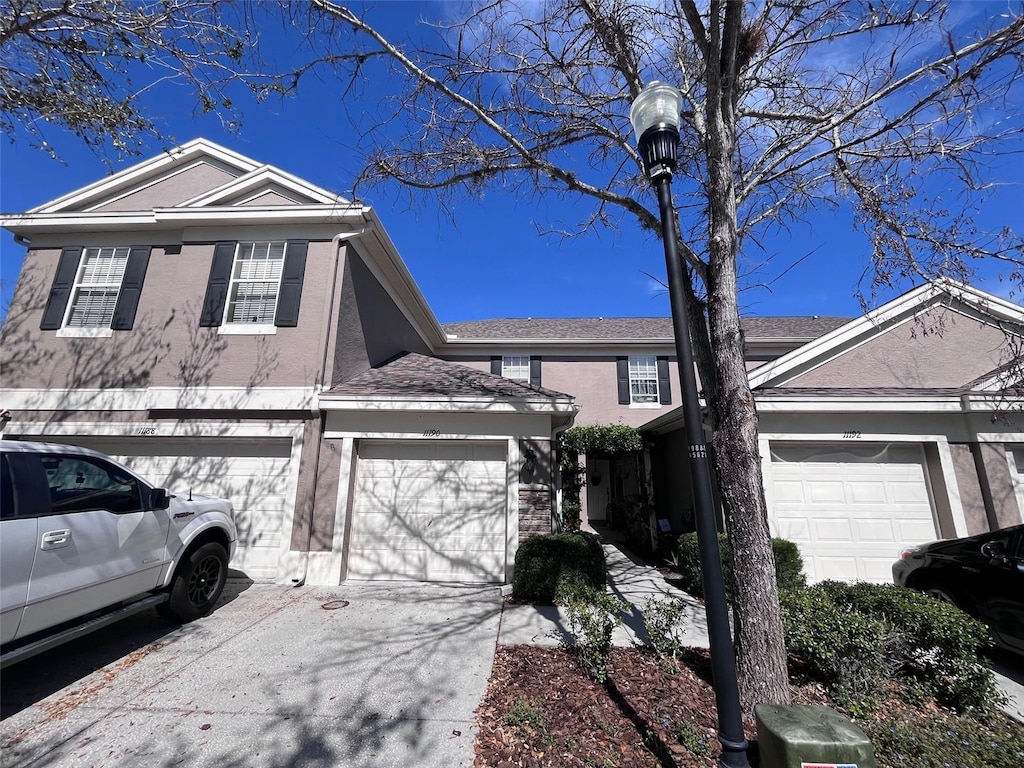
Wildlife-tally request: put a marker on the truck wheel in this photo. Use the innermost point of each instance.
(197, 584)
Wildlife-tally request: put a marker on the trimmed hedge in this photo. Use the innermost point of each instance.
(854, 636)
(789, 565)
(544, 562)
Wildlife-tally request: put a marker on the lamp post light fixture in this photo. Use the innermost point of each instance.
(655, 119)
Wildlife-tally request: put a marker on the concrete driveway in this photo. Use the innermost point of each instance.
(356, 675)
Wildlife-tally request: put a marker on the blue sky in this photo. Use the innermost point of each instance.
(491, 260)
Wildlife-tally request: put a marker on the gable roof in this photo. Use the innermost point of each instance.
(943, 292)
(415, 376)
(232, 188)
(629, 328)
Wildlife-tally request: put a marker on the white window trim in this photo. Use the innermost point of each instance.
(86, 332)
(247, 329)
(90, 331)
(227, 327)
(644, 405)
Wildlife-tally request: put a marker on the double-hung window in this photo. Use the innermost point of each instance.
(255, 287)
(255, 282)
(643, 379)
(522, 368)
(97, 284)
(96, 290)
(516, 367)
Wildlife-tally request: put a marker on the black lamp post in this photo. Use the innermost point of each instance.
(655, 118)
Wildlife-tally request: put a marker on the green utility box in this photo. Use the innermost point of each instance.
(810, 736)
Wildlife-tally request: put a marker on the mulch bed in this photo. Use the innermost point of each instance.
(542, 710)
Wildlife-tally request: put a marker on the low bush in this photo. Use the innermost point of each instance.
(935, 739)
(593, 615)
(941, 646)
(663, 620)
(844, 649)
(854, 636)
(789, 565)
(542, 561)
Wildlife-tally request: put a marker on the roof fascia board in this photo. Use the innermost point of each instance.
(445, 404)
(141, 171)
(858, 404)
(178, 217)
(466, 345)
(384, 262)
(263, 175)
(157, 398)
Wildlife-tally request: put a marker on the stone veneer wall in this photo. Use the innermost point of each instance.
(534, 511)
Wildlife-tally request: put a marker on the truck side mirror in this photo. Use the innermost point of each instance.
(159, 498)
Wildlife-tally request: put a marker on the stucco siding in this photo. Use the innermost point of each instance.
(592, 381)
(166, 346)
(970, 488)
(174, 189)
(1000, 484)
(939, 349)
(371, 327)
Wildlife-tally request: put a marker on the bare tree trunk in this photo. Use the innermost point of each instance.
(760, 650)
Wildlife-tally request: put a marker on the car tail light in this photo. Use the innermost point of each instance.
(908, 552)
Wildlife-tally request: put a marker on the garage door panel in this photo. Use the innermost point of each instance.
(871, 499)
(429, 511)
(254, 474)
(874, 530)
(794, 529)
(861, 492)
(820, 492)
(832, 530)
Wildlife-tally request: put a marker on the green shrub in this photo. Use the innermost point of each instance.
(843, 648)
(542, 561)
(593, 615)
(571, 516)
(853, 636)
(941, 645)
(663, 622)
(789, 565)
(939, 740)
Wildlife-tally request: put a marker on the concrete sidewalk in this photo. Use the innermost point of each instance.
(628, 578)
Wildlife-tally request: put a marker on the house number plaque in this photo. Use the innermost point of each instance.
(146, 431)
(431, 432)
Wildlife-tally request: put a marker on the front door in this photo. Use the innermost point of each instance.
(598, 483)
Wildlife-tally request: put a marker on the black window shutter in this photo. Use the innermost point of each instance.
(60, 291)
(217, 287)
(131, 288)
(622, 370)
(534, 371)
(664, 383)
(496, 366)
(287, 315)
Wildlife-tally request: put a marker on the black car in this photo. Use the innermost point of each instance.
(982, 575)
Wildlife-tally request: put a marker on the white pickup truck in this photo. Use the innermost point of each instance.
(84, 542)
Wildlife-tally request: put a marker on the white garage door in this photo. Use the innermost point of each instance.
(253, 473)
(851, 508)
(429, 512)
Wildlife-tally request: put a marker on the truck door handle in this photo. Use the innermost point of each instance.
(56, 539)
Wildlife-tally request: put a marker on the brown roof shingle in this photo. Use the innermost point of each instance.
(619, 328)
(415, 375)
